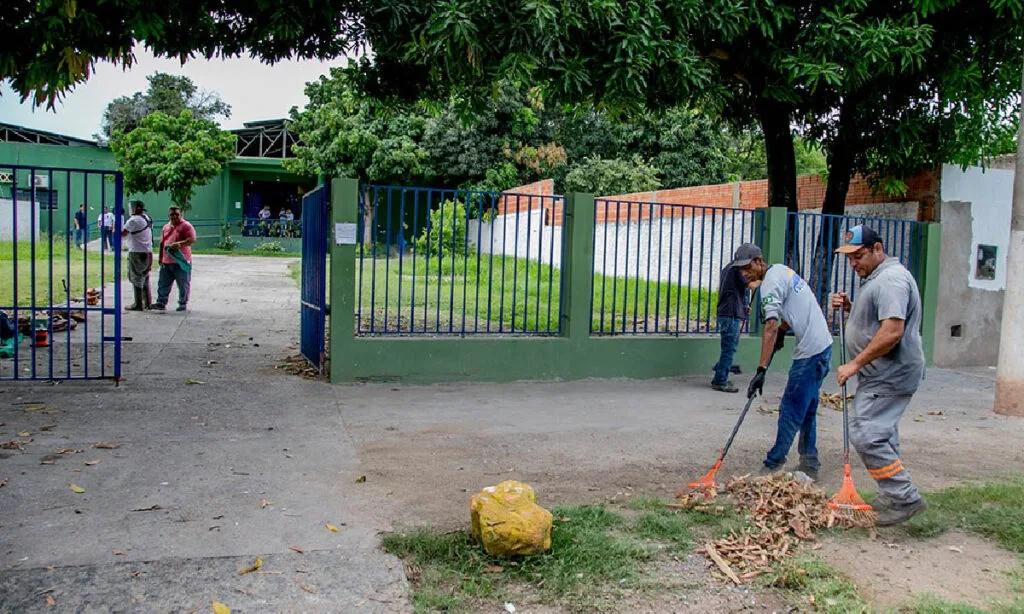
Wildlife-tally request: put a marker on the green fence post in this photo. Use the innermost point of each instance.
(774, 249)
(577, 266)
(928, 283)
(344, 210)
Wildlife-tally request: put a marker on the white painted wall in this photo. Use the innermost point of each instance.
(990, 193)
(26, 229)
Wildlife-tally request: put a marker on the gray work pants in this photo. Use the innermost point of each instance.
(874, 433)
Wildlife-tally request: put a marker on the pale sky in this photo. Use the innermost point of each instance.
(255, 91)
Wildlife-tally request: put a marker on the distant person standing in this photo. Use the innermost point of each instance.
(80, 223)
(138, 232)
(733, 309)
(106, 223)
(175, 260)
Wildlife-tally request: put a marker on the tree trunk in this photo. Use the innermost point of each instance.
(774, 117)
(368, 229)
(1010, 371)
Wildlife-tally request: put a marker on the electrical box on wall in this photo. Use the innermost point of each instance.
(985, 267)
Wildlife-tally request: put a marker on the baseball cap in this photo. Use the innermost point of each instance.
(745, 254)
(857, 237)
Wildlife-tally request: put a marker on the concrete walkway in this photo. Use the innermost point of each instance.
(205, 478)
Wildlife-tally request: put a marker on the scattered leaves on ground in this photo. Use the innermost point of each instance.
(106, 446)
(92, 463)
(297, 549)
(194, 382)
(298, 365)
(834, 401)
(77, 489)
(332, 528)
(264, 504)
(119, 553)
(361, 479)
(255, 565)
(68, 451)
(220, 608)
(307, 589)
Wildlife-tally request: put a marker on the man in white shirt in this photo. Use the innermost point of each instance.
(106, 224)
(138, 234)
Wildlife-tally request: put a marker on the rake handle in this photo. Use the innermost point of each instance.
(842, 358)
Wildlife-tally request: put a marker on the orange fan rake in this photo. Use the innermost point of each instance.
(847, 500)
(707, 482)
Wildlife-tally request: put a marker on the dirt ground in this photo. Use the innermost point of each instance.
(426, 450)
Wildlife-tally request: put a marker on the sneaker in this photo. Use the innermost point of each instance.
(180, 308)
(896, 513)
(726, 387)
(158, 307)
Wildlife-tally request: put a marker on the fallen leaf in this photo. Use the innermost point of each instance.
(256, 565)
(3, 483)
(47, 427)
(78, 489)
(936, 413)
(956, 549)
(119, 553)
(50, 601)
(68, 451)
(92, 462)
(35, 408)
(48, 462)
(193, 381)
(360, 479)
(24, 434)
(297, 549)
(151, 508)
(307, 589)
(494, 569)
(264, 503)
(332, 528)
(106, 446)
(919, 419)
(220, 608)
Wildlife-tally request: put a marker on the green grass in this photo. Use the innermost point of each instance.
(930, 604)
(508, 295)
(994, 511)
(213, 251)
(78, 280)
(806, 577)
(595, 552)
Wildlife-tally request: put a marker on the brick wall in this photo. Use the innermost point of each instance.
(810, 190)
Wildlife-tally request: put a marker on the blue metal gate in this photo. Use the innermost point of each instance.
(314, 276)
(60, 273)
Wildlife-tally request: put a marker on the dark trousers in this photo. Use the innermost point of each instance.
(108, 234)
(172, 274)
(729, 330)
(799, 410)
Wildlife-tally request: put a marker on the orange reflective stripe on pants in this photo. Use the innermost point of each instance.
(888, 471)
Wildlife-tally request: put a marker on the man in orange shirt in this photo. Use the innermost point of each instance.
(175, 259)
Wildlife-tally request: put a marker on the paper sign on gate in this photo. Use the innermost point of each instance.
(344, 234)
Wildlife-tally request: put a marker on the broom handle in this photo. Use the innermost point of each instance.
(842, 358)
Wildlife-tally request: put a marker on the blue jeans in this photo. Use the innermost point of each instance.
(79, 237)
(108, 234)
(799, 409)
(729, 330)
(172, 274)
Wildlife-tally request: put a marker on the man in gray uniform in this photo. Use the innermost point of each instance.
(883, 336)
(785, 297)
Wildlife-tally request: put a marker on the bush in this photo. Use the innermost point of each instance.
(268, 247)
(227, 242)
(602, 177)
(445, 232)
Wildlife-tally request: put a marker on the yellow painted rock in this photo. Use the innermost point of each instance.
(508, 522)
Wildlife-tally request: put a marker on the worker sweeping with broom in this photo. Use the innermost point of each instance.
(883, 336)
(787, 302)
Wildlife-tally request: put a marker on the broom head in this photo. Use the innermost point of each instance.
(707, 482)
(848, 502)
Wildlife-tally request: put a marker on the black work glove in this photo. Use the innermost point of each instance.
(780, 340)
(757, 383)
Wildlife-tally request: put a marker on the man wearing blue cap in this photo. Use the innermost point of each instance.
(883, 335)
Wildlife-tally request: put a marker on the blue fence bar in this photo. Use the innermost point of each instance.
(657, 266)
(811, 252)
(313, 299)
(59, 292)
(457, 262)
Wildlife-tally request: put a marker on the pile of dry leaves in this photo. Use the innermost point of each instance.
(834, 401)
(784, 511)
(298, 365)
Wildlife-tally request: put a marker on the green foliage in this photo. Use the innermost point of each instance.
(169, 94)
(173, 154)
(603, 177)
(268, 247)
(227, 242)
(445, 233)
(748, 157)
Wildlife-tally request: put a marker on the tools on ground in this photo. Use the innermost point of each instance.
(847, 501)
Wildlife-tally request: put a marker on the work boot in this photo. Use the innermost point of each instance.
(726, 387)
(896, 513)
(137, 305)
